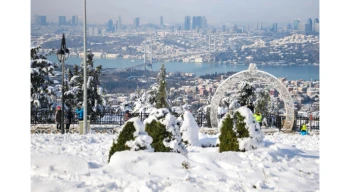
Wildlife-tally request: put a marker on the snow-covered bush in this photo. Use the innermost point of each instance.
(132, 137)
(165, 132)
(254, 139)
(189, 130)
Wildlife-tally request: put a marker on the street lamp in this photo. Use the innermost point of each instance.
(62, 55)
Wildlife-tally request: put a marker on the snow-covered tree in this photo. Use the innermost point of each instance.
(133, 137)
(262, 102)
(245, 92)
(42, 91)
(189, 130)
(244, 123)
(165, 131)
(161, 97)
(96, 101)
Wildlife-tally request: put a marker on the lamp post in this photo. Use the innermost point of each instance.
(62, 55)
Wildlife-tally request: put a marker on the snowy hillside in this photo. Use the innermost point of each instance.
(288, 162)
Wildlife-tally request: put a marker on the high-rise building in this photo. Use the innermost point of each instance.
(274, 27)
(39, 20)
(137, 22)
(302, 27)
(187, 25)
(61, 20)
(120, 26)
(110, 27)
(296, 24)
(316, 25)
(74, 20)
(289, 26)
(161, 21)
(223, 28)
(308, 26)
(204, 23)
(199, 22)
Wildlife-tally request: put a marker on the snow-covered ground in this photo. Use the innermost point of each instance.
(288, 162)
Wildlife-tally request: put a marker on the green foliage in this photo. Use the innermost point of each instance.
(158, 133)
(239, 124)
(40, 80)
(93, 97)
(263, 101)
(161, 97)
(228, 138)
(126, 134)
(245, 93)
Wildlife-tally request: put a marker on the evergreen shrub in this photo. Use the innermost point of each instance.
(126, 134)
(158, 133)
(228, 138)
(240, 125)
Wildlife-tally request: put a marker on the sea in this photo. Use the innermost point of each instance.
(294, 72)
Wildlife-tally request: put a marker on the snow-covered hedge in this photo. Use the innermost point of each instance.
(132, 137)
(245, 128)
(256, 137)
(165, 132)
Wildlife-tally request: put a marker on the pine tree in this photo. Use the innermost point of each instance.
(228, 138)
(161, 98)
(42, 93)
(240, 125)
(245, 93)
(96, 102)
(262, 102)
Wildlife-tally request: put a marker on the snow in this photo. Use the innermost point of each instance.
(141, 138)
(287, 162)
(189, 129)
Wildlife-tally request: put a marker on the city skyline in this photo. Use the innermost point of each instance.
(174, 11)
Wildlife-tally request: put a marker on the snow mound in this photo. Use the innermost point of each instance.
(189, 129)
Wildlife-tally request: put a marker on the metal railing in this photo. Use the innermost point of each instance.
(202, 119)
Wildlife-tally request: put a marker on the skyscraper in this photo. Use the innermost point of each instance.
(223, 28)
(74, 20)
(199, 22)
(39, 20)
(61, 20)
(316, 25)
(161, 21)
(274, 27)
(137, 22)
(308, 26)
(296, 24)
(187, 25)
(120, 26)
(110, 27)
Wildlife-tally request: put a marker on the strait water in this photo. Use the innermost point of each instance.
(290, 72)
